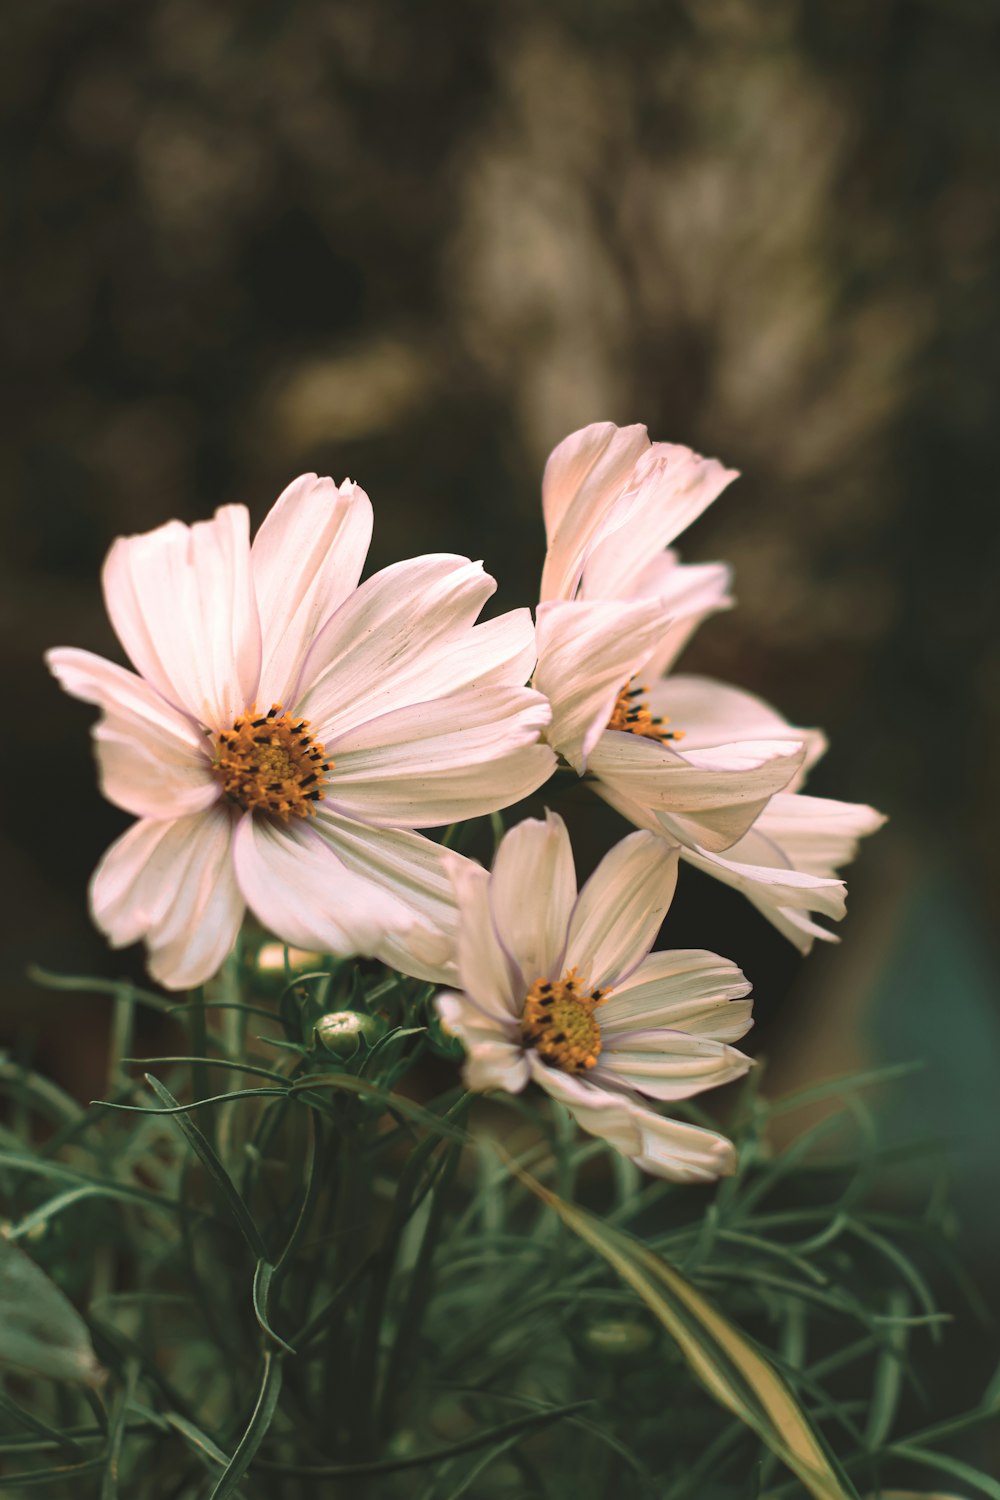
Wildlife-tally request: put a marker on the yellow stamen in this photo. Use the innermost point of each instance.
(271, 763)
(631, 715)
(558, 1022)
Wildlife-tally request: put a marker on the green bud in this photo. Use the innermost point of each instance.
(342, 1031)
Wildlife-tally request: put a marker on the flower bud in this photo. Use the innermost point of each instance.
(342, 1031)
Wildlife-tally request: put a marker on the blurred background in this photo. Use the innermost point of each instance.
(417, 245)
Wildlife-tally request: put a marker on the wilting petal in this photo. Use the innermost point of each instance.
(583, 477)
(494, 1059)
(666, 1064)
(153, 761)
(662, 1147)
(181, 601)
(586, 654)
(619, 911)
(608, 1115)
(306, 559)
(669, 488)
(378, 651)
(686, 989)
(414, 871)
(297, 887)
(707, 798)
(785, 865)
(172, 884)
(683, 1152)
(532, 894)
(713, 713)
(442, 761)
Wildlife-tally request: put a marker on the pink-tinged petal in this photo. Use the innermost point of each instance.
(181, 601)
(486, 972)
(619, 911)
(153, 762)
(494, 1058)
(306, 559)
(667, 1065)
(682, 1152)
(531, 893)
(172, 884)
(713, 713)
(587, 652)
(785, 865)
(413, 870)
(690, 593)
(669, 488)
(685, 989)
(704, 798)
(583, 478)
(442, 761)
(297, 887)
(379, 650)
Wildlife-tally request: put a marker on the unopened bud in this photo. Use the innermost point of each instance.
(342, 1031)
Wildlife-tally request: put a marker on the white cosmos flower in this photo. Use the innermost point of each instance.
(286, 730)
(704, 764)
(560, 989)
(615, 605)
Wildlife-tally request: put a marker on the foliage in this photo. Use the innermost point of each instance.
(318, 1272)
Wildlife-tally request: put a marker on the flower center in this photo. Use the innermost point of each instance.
(269, 763)
(631, 715)
(558, 1021)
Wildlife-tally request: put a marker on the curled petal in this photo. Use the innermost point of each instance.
(669, 487)
(704, 798)
(663, 1147)
(713, 713)
(584, 476)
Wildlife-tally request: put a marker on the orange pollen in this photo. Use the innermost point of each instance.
(631, 715)
(270, 763)
(558, 1022)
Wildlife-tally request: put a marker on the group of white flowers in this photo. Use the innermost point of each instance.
(287, 731)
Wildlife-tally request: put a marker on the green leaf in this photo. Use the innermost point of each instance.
(260, 1421)
(728, 1365)
(262, 1279)
(199, 1144)
(40, 1329)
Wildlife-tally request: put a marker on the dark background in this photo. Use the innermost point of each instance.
(417, 244)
